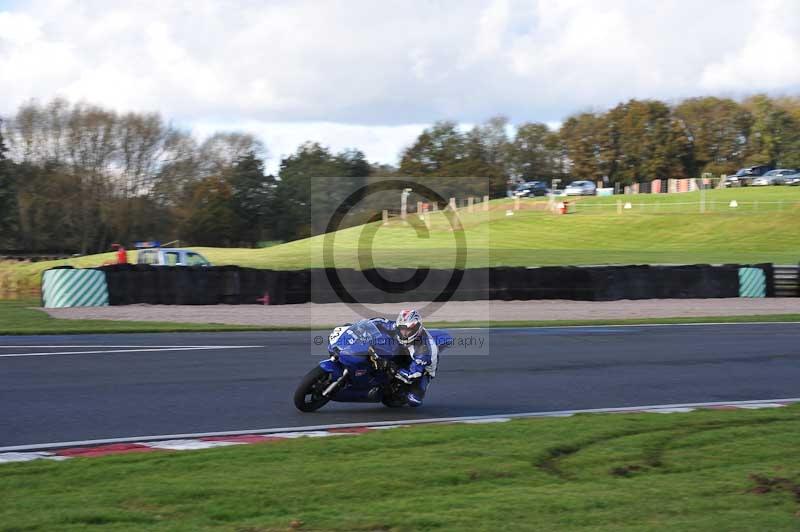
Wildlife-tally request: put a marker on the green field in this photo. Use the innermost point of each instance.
(658, 229)
(707, 470)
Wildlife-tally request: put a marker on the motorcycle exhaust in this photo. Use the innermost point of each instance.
(332, 387)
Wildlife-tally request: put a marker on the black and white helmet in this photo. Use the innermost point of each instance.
(409, 326)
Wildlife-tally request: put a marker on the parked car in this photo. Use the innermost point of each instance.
(766, 180)
(745, 176)
(773, 177)
(171, 257)
(581, 188)
(532, 188)
(792, 179)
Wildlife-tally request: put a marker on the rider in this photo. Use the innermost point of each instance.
(418, 343)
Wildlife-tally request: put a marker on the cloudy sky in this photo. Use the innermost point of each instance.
(372, 74)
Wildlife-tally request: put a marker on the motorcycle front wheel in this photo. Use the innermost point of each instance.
(308, 396)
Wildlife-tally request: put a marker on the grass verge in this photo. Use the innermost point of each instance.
(19, 318)
(706, 470)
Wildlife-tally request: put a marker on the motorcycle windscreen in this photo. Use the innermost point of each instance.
(360, 336)
(357, 337)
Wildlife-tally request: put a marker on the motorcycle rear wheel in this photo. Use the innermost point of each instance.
(308, 396)
(395, 396)
(393, 402)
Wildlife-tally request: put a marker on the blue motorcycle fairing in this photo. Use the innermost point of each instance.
(358, 395)
(333, 367)
(361, 371)
(355, 361)
(362, 379)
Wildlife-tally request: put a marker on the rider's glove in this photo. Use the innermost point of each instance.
(409, 375)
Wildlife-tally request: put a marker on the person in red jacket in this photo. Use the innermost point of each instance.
(122, 254)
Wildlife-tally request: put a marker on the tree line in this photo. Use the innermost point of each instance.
(75, 177)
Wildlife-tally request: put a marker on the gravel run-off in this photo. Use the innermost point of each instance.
(311, 314)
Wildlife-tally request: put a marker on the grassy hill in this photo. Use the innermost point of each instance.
(659, 228)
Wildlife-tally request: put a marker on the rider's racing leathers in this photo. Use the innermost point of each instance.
(424, 354)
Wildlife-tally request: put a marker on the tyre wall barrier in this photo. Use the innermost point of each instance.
(131, 284)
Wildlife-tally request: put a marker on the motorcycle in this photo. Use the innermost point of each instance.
(361, 368)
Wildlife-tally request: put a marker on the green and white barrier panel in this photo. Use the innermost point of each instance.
(74, 288)
(752, 282)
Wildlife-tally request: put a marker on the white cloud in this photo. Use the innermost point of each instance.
(19, 28)
(366, 74)
(492, 27)
(769, 56)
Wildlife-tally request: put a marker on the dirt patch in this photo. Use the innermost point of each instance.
(333, 313)
(765, 484)
(625, 471)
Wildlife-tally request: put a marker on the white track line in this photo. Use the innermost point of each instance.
(378, 424)
(107, 352)
(21, 346)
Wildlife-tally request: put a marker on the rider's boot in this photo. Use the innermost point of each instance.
(416, 392)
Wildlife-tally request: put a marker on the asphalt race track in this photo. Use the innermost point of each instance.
(64, 388)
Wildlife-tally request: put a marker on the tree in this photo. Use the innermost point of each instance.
(77, 144)
(582, 136)
(718, 129)
(488, 157)
(481, 169)
(534, 154)
(8, 198)
(252, 196)
(293, 195)
(3, 148)
(212, 220)
(791, 155)
(313, 183)
(174, 180)
(48, 203)
(130, 176)
(222, 150)
(650, 143)
(453, 163)
(774, 135)
(636, 141)
(436, 150)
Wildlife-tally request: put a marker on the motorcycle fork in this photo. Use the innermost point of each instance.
(332, 387)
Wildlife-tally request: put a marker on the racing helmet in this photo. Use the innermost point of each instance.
(409, 326)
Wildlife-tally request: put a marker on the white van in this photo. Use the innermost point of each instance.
(170, 257)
